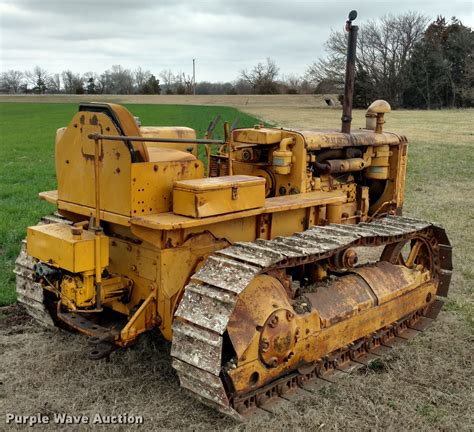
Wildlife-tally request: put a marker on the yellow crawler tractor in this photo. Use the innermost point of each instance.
(278, 263)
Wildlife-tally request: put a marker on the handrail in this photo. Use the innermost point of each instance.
(97, 137)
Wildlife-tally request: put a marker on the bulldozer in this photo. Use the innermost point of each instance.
(280, 260)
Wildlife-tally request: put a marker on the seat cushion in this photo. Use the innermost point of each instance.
(157, 154)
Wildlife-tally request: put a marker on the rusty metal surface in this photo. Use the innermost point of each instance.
(197, 346)
(350, 74)
(226, 269)
(386, 280)
(342, 299)
(208, 303)
(84, 325)
(97, 136)
(276, 340)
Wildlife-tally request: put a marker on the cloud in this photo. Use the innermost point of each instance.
(224, 36)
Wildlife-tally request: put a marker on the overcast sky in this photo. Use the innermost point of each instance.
(224, 36)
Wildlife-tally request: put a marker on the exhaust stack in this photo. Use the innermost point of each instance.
(350, 73)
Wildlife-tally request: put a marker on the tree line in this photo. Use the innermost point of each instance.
(263, 79)
(116, 80)
(403, 59)
(406, 61)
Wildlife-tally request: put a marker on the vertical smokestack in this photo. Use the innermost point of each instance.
(350, 73)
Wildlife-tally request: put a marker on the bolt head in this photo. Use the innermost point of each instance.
(273, 322)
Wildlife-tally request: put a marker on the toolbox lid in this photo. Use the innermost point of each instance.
(258, 135)
(216, 183)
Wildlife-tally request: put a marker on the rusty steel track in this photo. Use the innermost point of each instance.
(210, 298)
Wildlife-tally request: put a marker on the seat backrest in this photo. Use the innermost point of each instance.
(125, 123)
(174, 132)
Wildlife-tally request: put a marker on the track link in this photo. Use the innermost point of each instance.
(210, 298)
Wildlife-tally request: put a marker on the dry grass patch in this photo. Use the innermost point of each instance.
(420, 386)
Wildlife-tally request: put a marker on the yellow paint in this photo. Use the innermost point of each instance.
(152, 183)
(218, 195)
(55, 245)
(258, 135)
(79, 292)
(171, 221)
(170, 132)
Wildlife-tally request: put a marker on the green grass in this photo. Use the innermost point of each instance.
(27, 163)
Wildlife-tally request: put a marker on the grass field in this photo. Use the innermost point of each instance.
(27, 153)
(425, 385)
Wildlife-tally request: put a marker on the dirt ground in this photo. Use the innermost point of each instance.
(425, 385)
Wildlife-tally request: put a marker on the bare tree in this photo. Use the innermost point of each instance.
(383, 49)
(73, 83)
(188, 83)
(104, 83)
(262, 77)
(293, 80)
(168, 79)
(178, 84)
(54, 84)
(121, 80)
(242, 86)
(291, 84)
(39, 79)
(141, 79)
(330, 69)
(11, 81)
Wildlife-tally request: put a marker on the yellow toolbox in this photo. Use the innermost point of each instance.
(218, 195)
(55, 245)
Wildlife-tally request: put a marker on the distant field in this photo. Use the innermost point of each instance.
(315, 101)
(27, 163)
